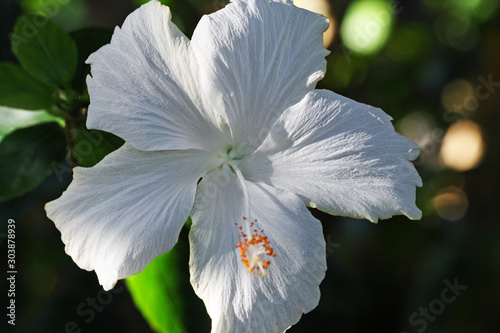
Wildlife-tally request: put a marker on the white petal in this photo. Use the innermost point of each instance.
(236, 300)
(257, 58)
(128, 209)
(340, 156)
(144, 86)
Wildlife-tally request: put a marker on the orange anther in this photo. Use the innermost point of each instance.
(254, 249)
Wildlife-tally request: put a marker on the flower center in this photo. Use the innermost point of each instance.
(230, 154)
(255, 251)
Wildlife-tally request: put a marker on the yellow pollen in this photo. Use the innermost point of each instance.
(255, 251)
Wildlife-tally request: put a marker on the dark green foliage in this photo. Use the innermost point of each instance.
(91, 146)
(44, 50)
(87, 41)
(20, 90)
(27, 156)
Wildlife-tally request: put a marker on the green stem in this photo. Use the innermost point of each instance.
(69, 140)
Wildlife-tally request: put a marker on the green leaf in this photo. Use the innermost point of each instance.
(164, 295)
(20, 90)
(156, 293)
(44, 50)
(91, 146)
(26, 158)
(12, 119)
(87, 41)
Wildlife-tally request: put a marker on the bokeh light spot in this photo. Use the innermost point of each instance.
(367, 25)
(463, 146)
(417, 126)
(321, 7)
(451, 203)
(485, 9)
(456, 95)
(468, 4)
(457, 30)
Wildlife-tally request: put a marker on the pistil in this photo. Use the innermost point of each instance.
(255, 251)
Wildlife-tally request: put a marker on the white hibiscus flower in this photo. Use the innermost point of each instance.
(236, 107)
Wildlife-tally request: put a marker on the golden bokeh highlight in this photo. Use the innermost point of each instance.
(321, 7)
(418, 127)
(463, 146)
(451, 203)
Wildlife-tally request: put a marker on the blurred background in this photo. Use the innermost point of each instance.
(434, 66)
